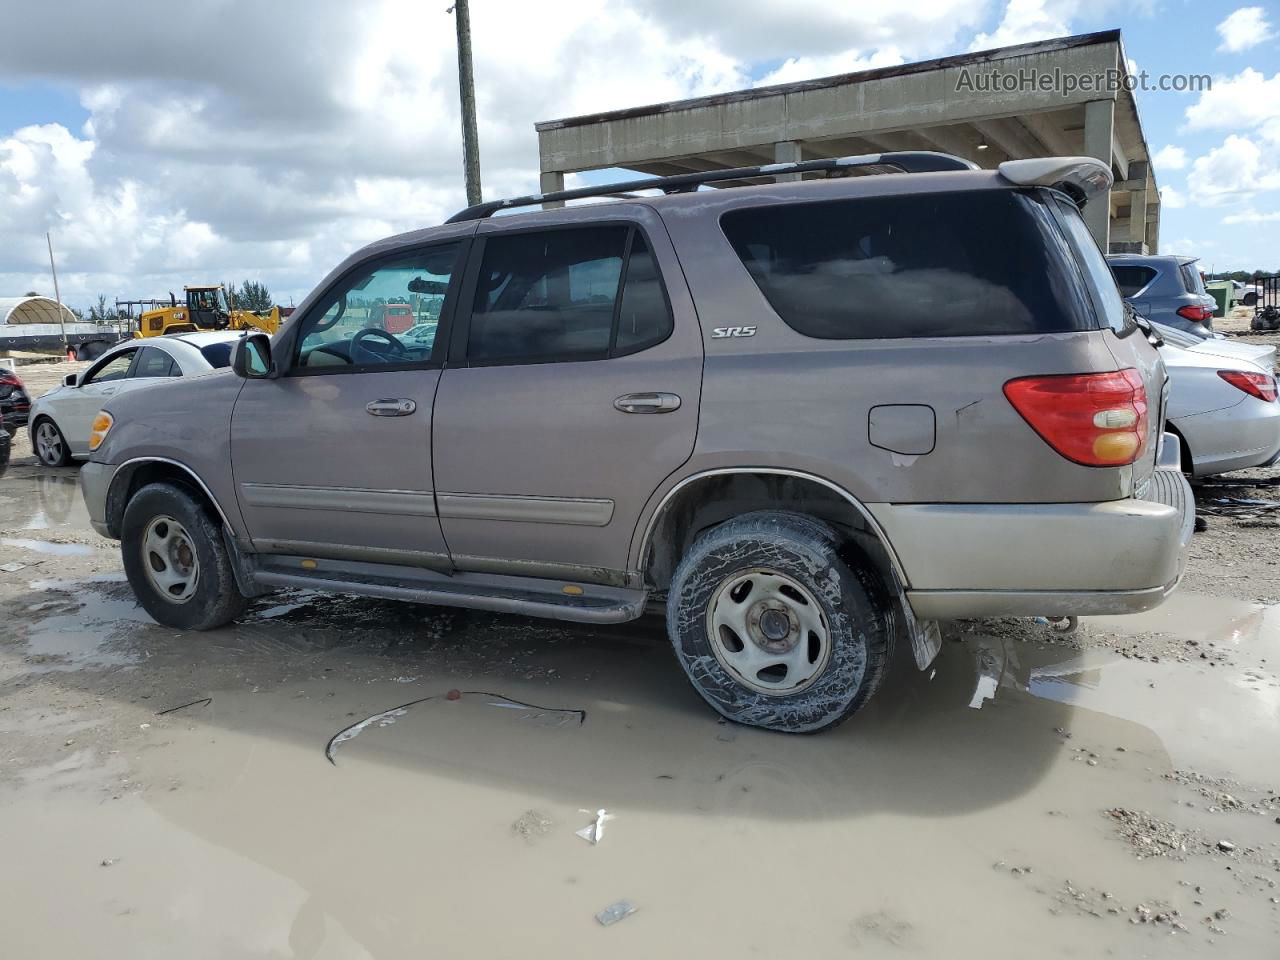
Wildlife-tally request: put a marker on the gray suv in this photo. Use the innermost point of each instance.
(805, 419)
(1165, 289)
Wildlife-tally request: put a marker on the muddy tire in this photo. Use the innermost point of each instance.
(773, 628)
(176, 560)
(50, 446)
(1249, 299)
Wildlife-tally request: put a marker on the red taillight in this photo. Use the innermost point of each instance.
(1196, 314)
(1094, 419)
(1260, 385)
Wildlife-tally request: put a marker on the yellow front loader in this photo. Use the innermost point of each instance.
(206, 308)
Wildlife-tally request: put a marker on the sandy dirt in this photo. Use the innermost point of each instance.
(1115, 792)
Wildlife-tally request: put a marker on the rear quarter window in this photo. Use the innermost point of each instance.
(972, 263)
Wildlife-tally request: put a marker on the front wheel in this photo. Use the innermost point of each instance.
(1249, 299)
(51, 446)
(773, 628)
(176, 561)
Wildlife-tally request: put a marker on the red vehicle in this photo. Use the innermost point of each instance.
(393, 317)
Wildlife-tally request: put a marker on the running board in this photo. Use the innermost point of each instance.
(527, 596)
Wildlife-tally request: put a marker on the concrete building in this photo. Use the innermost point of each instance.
(1061, 97)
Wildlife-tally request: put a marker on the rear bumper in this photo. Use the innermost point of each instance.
(1234, 438)
(1057, 559)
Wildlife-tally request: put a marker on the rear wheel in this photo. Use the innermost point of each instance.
(773, 628)
(51, 446)
(1249, 299)
(176, 560)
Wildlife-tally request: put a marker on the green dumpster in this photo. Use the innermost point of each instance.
(1220, 290)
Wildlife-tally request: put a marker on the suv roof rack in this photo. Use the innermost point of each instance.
(904, 161)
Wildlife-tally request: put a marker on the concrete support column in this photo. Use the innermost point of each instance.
(551, 181)
(787, 151)
(1099, 126)
(1153, 233)
(1139, 174)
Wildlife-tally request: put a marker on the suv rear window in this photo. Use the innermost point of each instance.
(923, 265)
(1132, 279)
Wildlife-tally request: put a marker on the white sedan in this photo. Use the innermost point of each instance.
(1222, 403)
(61, 420)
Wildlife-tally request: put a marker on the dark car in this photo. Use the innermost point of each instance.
(1165, 289)
(15, 404)
(5, 446)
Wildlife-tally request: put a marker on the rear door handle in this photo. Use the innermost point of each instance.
(391, 407)
(647, 403)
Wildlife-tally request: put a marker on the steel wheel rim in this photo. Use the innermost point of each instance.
(170, 560)
(768, 631)
(48, 444)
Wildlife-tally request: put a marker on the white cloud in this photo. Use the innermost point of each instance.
(1252, 216)
(1170, 158)
(1025, 21)
(1245, 28)
(1249, 99)
(1234, 171)
(1171, 198)
(808, 68)
(335, 123)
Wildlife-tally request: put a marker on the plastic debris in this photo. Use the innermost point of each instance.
(386, 717)
(615, 912)
(593, 832)
(203, 701)
(12, 567)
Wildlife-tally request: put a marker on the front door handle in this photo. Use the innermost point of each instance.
(391, 408)
(647, 403)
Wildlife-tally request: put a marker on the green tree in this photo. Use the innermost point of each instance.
(101, 313)
(32, 293)
(253, 296)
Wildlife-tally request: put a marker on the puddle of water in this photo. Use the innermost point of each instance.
(53, 549)
(43, 502)
(84, 633)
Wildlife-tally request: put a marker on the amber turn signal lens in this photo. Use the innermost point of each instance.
(98, 432)
(1116, 447)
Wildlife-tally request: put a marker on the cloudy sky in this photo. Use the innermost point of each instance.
(202, 140)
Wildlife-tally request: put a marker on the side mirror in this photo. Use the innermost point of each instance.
(71, 380)
(251, 356)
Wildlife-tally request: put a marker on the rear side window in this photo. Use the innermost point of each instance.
(217, 355)
(1098, 275)
(155, 363)
(924, 265)
(1191, 281)
(1130, 280)
(581, 293)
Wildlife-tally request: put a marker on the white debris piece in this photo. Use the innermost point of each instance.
(593, 832)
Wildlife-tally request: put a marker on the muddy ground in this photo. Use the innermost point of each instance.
(166, 794)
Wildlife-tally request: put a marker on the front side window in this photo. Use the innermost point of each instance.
(114, 369)
(973, 263)
(583, 293)
(384, 314)
(155, 363)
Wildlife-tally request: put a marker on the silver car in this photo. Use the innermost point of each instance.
(62, 420)
(804, 419)
(1222, 406)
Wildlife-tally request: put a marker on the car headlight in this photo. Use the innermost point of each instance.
(102, 424)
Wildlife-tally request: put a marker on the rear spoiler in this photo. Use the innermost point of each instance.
(1080, 178)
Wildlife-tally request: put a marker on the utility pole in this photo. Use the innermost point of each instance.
(467, 92)
(56, 295)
